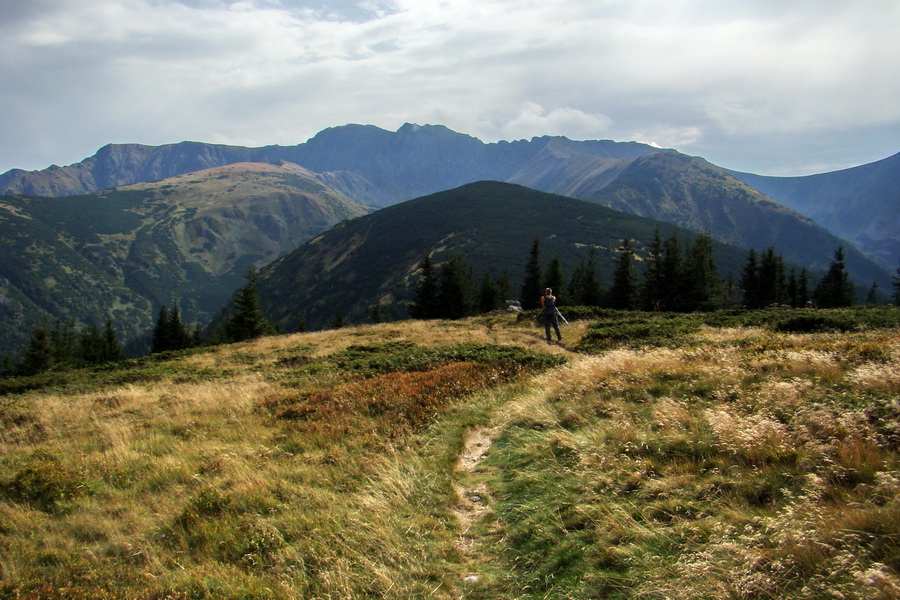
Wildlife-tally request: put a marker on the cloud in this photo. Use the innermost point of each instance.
(759, 85)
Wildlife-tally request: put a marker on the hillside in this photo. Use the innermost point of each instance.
(381, 168)
(861, 204)
(697, 195)
(710, 459)
(376, 259)
(125, 251)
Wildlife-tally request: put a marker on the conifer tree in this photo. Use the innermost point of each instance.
(247, 322)
(532, 288)
(584, 287)
(750, 281)
(653, 290)
(701, 279)
(872, 296)
(555, 278)
(489, 297)
(503, 287)
(456, 290)
(38, 354)
(425, 304)
(162, 334)
(623, 294)
(672, 275)
(112, 347)
(771, 279)
(835, 289)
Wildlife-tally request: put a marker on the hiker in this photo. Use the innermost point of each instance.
(548, 310)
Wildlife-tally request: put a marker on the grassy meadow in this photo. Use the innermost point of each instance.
(729, 455)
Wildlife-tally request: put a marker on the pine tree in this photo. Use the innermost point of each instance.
(771, 279)
(750, 281)
(672, 275)
(162, 335)
(555, 278)
(584, 287)
(456, 290)
(701, 279)
(653, 289)
(247, 322)
(532, 290)
(425, 304)
(835, 289)
(872, 297)
(623, 294)
(489, 297)
(38, 354)
(112, 348)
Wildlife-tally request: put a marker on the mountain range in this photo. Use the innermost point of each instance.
(135, 226)
(124, 252)
(379, 168)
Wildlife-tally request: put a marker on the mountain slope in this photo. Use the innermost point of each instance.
(380, 168)
(861, 204)
(375, 259)
(697, 195)
(367, 163)
(125, 251)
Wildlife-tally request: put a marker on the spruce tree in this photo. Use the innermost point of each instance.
(38, 354)
(456, 290)
(162, 335)
(555, 278)
(653, 289)
(247, 322)
(672, 275)
(835, 289)
(489, 297)
(750, 281)
(532, 287)
(425, 304)
(623, 294)
(584, 287)
(771, 279)
(702, 281)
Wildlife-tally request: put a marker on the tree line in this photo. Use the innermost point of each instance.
(676, 276)
(64, 347)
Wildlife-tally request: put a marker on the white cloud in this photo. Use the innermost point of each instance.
(756, 85)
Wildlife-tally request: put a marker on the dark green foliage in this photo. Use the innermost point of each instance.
(489, 294)
(555, 278)
(584, 286)
(425, 305)
(64, 348)
(835, 289)
(456, 290)
(170, 332)
(247, 320)
(814, 322)
(624, 290)
(639, 329)
(44, 483)
(403, 356)
(653, 291)
(532, 286)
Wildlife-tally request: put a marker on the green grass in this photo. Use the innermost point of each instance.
(687, 461)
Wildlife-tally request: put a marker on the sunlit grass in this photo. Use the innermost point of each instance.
(722, 462)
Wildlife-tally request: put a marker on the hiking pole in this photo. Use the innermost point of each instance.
(560, 315)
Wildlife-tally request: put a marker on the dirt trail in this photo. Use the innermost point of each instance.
(474, 499)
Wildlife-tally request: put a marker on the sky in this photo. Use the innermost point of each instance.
(775, 87)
